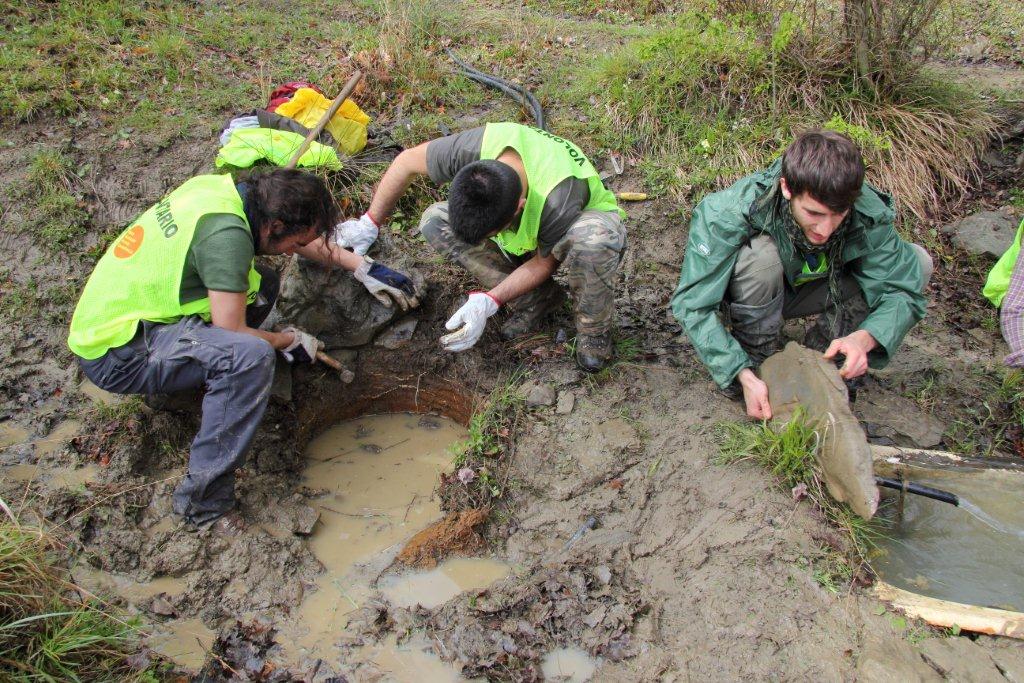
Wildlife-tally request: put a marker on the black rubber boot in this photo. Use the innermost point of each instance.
(593, 351)
(529, 311)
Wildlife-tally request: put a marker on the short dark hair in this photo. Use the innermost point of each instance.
(827, 165)
(483, 198)
(299, 200)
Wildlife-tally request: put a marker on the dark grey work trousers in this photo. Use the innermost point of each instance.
(236, 369)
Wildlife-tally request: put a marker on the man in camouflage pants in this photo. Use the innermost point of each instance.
(522, 203)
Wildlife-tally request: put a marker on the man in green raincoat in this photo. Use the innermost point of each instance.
(806, 235)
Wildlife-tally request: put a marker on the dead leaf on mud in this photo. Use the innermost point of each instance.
(505, 631)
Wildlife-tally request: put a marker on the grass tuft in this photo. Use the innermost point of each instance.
(789, 451)
(706, 100)
(48, 632)
(486, 451)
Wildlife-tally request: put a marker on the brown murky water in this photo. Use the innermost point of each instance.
(382, 471)
(379, 474)
(56, 477)
(12, 434)
(569, 664)
(969, 554)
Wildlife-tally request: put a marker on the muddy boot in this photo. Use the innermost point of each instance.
(593, 351)
(528, 311)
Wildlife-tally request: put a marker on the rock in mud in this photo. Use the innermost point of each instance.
(537, 395)
(911, 425)
(566, 402)
(160, 605)
(398, 335)
(304, 519)
(798, 376)
(332, 305)
(456, 533)
(984, 232)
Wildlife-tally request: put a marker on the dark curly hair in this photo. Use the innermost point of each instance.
(299, 200)
(483, 199)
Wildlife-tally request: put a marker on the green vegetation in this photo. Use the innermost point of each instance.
(59, 217)
(707, 99)
(48, 630)
(487, 450)
(789, 451)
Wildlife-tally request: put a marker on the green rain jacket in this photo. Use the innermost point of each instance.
(885, 266)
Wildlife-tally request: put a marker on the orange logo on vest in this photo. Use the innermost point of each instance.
(129, 242)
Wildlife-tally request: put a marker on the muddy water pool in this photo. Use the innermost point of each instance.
(969, 554)
(379, 473)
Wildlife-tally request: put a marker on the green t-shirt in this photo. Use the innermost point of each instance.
(219, 257)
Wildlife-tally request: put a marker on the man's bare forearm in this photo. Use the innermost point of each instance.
(324, 251)
(525, 278)
(400, 174)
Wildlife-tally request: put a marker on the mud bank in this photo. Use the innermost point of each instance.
(692, 570)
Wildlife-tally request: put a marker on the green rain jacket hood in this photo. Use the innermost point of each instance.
(885, 266)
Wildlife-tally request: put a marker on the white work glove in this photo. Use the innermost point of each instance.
(473, 318)
(303, 349)
(357, 234)
(386, 285)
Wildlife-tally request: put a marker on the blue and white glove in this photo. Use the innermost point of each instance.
(356, 234)
(303, 349)
(386, 285)
(472, 318)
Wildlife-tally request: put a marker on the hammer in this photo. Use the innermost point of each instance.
(346, 375)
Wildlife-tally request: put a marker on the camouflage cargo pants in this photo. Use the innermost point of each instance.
(590, 252)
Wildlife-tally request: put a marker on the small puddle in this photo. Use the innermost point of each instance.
(380, 472)
(569, 664)
(99, 395)
(57, 477)
(135, 592)
(958, 553)
(413, 661)
(186, 641)
(438, 586)
(12, 434)
(58, 436)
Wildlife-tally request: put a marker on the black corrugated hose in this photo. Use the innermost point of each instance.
(516, 92)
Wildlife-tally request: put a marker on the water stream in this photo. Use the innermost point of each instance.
(969, 554)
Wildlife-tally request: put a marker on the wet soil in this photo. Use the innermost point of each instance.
(693, 570)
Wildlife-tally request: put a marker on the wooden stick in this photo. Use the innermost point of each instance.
(325, 119)
(346, 375)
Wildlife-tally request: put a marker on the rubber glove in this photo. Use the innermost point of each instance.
(386, 285)
(472, 318)
(357, 234)
(303, 349)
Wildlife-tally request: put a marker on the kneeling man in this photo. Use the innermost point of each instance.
(176, 302)
(522, 203)
(805, 236)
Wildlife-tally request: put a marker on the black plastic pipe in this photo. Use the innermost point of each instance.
(919, 490)
(518, 93)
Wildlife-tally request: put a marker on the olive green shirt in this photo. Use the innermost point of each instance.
(219, 257)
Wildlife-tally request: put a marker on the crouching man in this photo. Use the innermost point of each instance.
(176, 301)
(805, 236)
(522, 203)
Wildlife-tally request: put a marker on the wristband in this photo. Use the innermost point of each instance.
(493, 298)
